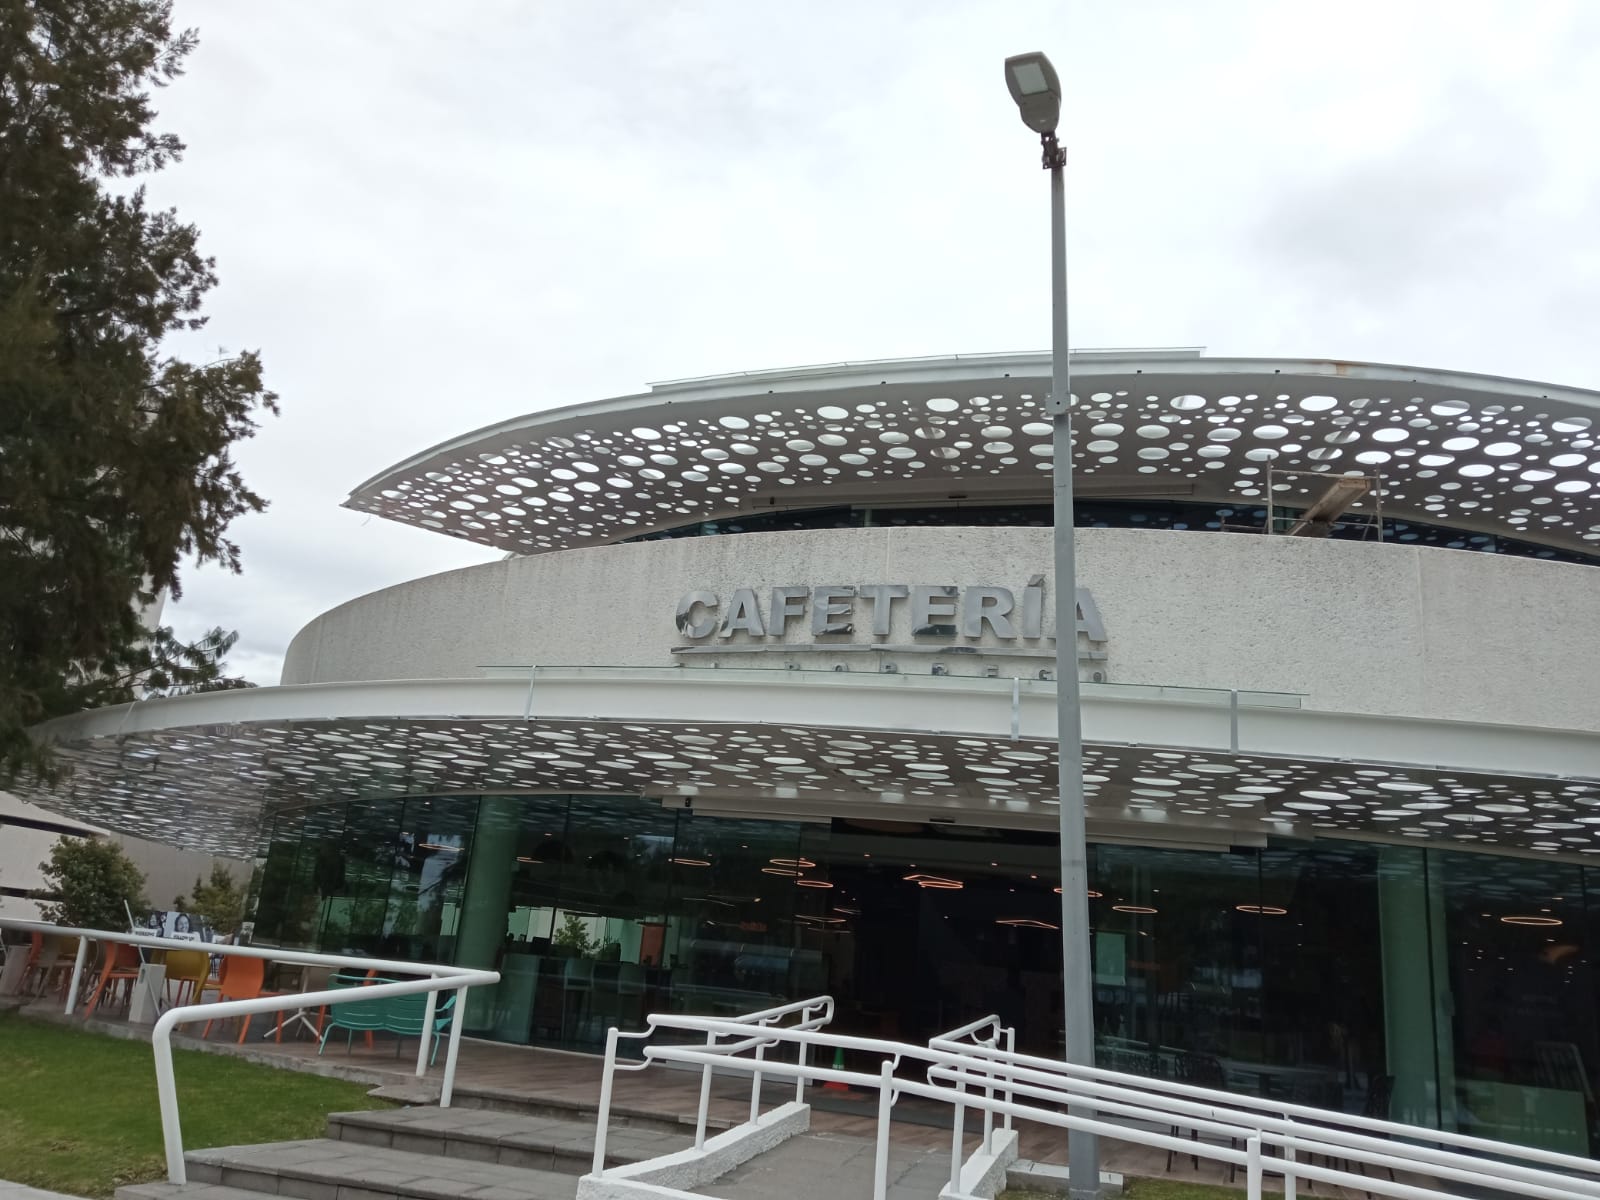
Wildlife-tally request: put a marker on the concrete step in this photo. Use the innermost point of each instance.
(510, 1139)
(322, 1169)
(622, 1116)
(183, 1191)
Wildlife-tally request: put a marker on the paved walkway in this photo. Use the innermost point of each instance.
(21, 1191)
(830, 1165)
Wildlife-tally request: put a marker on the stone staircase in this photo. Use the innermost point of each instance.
(423, 1153)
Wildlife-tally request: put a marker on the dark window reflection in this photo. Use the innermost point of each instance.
(1116, 514)
(1522, 1048)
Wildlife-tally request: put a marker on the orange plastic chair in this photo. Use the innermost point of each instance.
(241, 980)
(118, 964)
(49, 956)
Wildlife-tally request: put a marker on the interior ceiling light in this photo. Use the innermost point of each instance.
(784, 871)
(1025, 923)
(691, 862)
(1541, 922)
(1091, 893)
(1139, 909)
(936, 882)
(439, 846)
(795, 863)
(1264, 910)
(854, 912)
(810, 920)
(812, 883)
(538, 862)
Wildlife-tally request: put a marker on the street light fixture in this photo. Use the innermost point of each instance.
(1036, 88)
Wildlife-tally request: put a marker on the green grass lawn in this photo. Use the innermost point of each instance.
(78, 1110)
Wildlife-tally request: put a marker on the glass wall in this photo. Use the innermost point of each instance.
(1442, 988)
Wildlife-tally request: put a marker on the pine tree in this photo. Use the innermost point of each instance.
(115, 456)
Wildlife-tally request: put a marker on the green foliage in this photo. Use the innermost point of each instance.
(574, 937)
(118, 455)
(219, 900)
(90, 879)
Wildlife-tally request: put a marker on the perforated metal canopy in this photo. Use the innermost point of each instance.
(1468, 451)
(198, 771)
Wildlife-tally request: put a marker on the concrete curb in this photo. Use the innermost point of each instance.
(667, 1177)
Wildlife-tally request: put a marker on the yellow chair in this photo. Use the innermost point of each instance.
(187, 968)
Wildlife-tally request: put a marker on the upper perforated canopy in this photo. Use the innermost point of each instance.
(1469, 451)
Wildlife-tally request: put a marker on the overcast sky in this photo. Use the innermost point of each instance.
(429, 217)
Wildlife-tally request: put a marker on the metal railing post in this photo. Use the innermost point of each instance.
(988, 1111)
(800, 1081)
(1011, 1048)
(602, 1121)
(755, 1084)
(1288, 1164)
(427, 1033)
(880, 1165)
(705, 1099)
(1252, 1171)
(77, 974)
(958, 1130)
(450, 1055)
(167, 1100)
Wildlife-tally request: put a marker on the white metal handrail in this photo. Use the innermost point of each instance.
(1289, 1137)
(437, 977)
(889, 1088)
(987, 1032)
(965, 1062)
(810, 1015)
(1321, 1120)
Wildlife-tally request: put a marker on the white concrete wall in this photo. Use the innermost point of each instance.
(1355, 627)
(169, 871)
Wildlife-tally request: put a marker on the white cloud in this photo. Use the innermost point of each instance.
(430, 218)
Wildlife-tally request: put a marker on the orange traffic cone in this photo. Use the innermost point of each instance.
(838, 1065)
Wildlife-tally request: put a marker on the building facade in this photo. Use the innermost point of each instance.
(760, 704)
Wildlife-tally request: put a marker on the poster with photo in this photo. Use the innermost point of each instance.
(172, 923)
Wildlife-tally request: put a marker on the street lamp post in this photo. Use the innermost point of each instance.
(1037, 91)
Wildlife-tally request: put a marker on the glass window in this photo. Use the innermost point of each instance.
(429, 865)
(1322, 981)
(1119, 514)
(272, 924)
(732, 938)
(1179, 975)
(611, 923)
(1523, 1036)
(358, 889)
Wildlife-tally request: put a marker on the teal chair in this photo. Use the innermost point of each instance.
(405, 1014)
(399, 1015)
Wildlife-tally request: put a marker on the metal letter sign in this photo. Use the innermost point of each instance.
(839, 617)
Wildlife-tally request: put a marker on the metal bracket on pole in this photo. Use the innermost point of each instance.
(1055, 154)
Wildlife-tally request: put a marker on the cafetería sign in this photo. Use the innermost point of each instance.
(835, 617)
